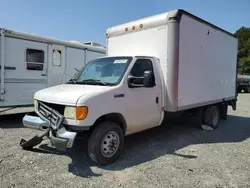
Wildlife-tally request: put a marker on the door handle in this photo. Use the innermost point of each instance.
(157, 100)
(43, 74)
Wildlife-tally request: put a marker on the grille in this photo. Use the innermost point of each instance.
(59, 108)
(52, 115)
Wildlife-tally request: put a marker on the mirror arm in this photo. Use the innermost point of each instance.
(131, 85)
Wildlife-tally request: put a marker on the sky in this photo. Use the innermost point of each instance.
(87, 20)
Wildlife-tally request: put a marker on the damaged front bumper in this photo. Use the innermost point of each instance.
(60, 138)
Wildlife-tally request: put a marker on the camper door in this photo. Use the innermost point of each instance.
(56, 65)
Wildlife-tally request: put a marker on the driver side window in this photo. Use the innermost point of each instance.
(140, 66)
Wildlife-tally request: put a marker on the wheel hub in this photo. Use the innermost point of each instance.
(110, 144)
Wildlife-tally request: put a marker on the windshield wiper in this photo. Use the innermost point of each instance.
(94, 81)
(72, 80)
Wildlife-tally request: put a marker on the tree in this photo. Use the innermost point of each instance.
(243, 35)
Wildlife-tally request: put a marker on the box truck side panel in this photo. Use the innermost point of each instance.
(148, 42)
(25, 71)
(207, 64)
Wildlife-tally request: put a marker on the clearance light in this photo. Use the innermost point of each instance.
(141, 25)
(126, 29)
(133, 27)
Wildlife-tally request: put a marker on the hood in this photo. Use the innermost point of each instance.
(67, 94)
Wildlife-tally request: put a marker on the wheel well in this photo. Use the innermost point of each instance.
(114, 117)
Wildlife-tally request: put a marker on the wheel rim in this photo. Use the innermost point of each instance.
(110, 144)
(215, 117)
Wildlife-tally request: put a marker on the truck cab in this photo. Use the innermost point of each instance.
(110, 85)
(126, 90)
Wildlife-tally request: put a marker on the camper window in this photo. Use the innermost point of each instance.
(34, 59)
(56, 58)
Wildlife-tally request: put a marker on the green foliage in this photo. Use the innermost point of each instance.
(243, 35)
(244, 65)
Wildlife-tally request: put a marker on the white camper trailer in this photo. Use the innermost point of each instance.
(32, 63)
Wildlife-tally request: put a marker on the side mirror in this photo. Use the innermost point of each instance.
(133, 82)
(148, 79)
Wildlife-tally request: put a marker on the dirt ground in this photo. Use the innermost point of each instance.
(176, 156)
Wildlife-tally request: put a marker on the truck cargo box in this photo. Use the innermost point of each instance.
(198, 59)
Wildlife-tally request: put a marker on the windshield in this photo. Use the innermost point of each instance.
(104, 71)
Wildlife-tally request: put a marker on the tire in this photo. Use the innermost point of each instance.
(212, 116)
(102, 142)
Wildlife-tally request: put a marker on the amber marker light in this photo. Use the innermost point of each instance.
(81, 112)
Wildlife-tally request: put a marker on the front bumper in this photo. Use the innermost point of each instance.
(60, 138)
(35, 122)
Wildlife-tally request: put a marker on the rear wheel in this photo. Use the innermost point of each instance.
(106, 143)
(212, 116)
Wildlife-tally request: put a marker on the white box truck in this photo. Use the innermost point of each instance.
(32, 63)
(161, 66)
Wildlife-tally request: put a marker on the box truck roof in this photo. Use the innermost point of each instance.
(154, 21)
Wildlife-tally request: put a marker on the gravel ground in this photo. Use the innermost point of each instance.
(175, 156)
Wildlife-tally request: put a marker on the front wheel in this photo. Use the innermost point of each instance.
(106, 143)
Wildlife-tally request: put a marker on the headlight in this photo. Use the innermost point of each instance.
(35, 103)
(78, 113)
(70, 112)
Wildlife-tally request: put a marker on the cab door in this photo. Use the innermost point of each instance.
(144, 104)
(56, 65)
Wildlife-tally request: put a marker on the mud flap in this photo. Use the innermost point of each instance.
(37, 139)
